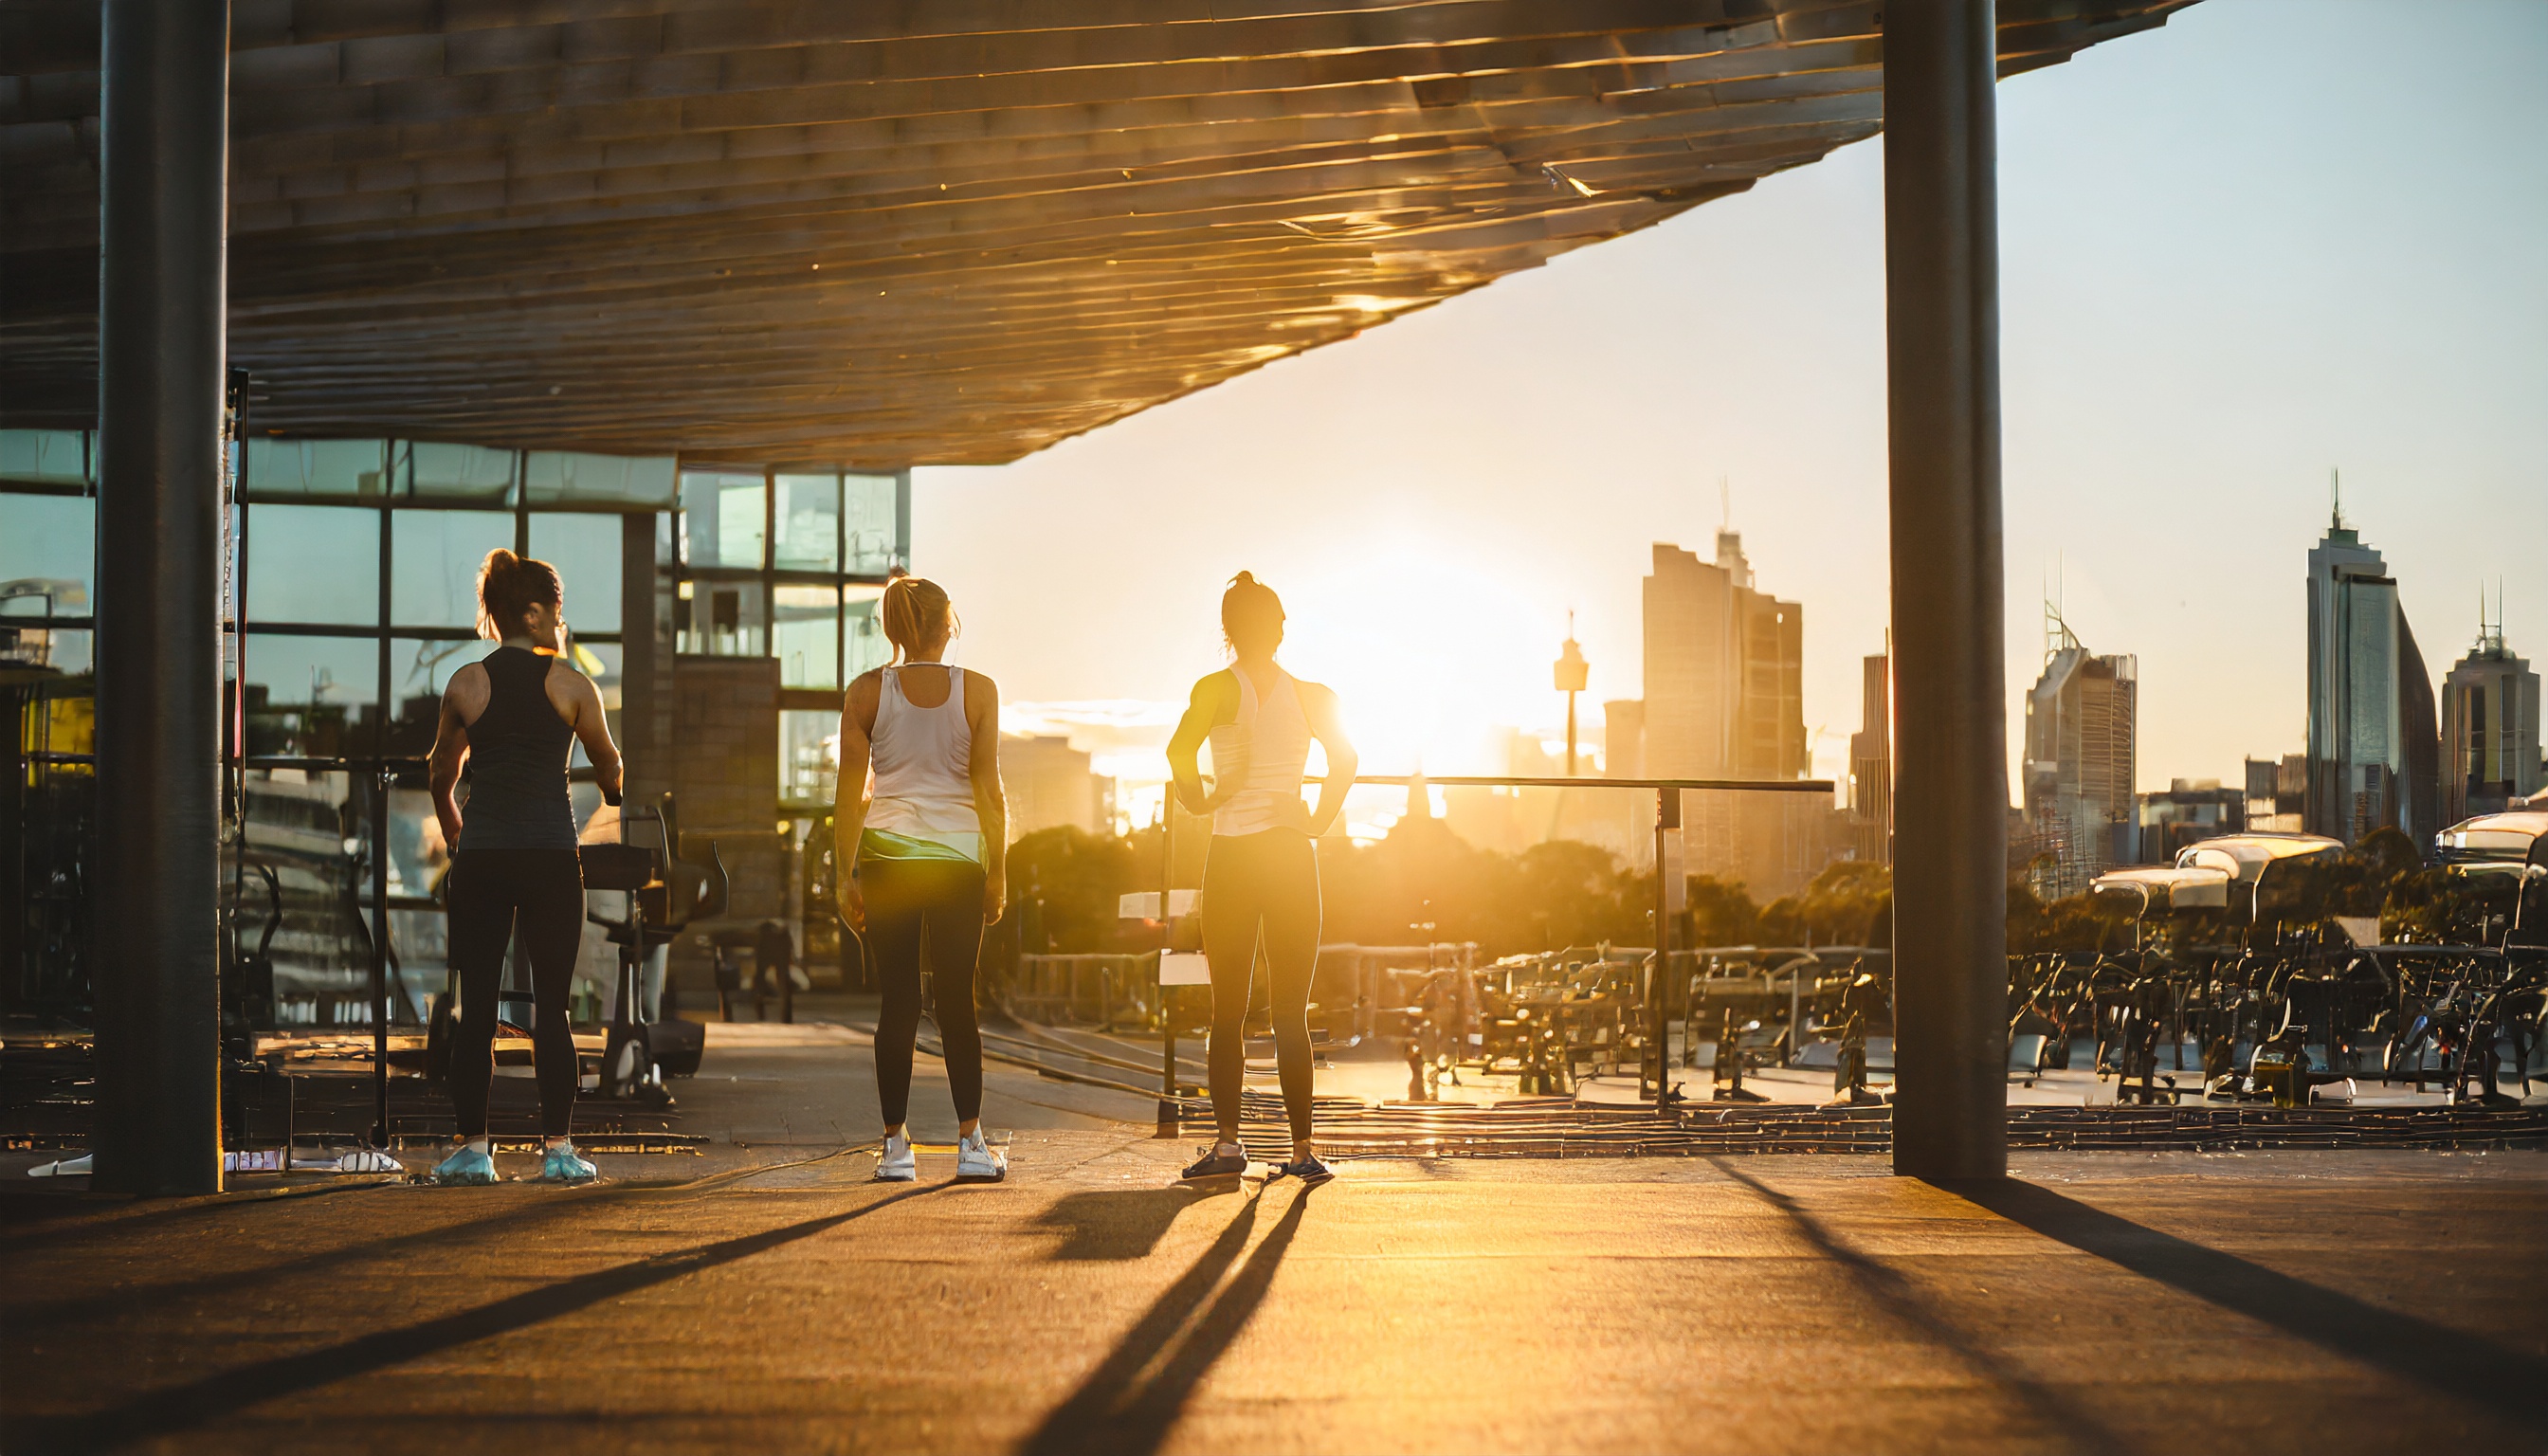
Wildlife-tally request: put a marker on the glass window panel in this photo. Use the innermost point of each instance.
(437, 470)
(809, 523)
(314, 563)
(349, 467)
(806, 626)
(722, 525)
(558, 477)
(419, 672)
(867, 649)
(809, 755)
(434, 556)
(584, 549)
(65, 650)
(721, 619)
(47, 548)
(51, 456)
(312, 697)
(873, 505)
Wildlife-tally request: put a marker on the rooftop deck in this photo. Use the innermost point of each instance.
(764, 1294)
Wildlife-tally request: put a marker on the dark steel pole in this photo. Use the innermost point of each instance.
(1170, 1121)
(1659, 983)
(380, 777)
(164, 138)
(378, 773)
(1942, 306)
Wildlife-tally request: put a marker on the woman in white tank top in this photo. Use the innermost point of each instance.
(1260, 879)
(923, 840)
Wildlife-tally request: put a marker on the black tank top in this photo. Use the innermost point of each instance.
(518, 758)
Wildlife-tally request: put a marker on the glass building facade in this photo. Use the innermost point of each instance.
(350, 600)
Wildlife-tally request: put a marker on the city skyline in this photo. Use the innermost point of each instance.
(2202, 317)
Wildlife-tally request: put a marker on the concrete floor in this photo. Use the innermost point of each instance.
(767, 1296)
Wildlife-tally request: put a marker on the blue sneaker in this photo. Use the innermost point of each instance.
(563, 1166)
(468, 1167)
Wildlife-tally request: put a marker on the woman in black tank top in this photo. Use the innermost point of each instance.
(515, 717)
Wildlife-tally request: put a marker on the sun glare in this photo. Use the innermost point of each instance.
(1436, 655)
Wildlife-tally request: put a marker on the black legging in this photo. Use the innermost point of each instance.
(935, 904)
(1260, 889)
(488, 889)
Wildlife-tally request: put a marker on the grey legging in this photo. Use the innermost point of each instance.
(1260, 889)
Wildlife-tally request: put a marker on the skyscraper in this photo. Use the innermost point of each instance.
(1724, 667)
(1870, 765)
(2080, 729)
(2490, 729)
(2374, 745)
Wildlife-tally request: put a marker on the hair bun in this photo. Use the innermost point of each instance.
(1244, 579)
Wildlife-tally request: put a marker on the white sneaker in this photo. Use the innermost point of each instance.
(977, 1161)
(897, 1165)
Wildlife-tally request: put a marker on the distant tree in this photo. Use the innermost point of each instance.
(1076, 879)
(1838, 908)
(2354, 882)
(1571, 894)
(1721, 912)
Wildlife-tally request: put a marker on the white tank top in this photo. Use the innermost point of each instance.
(1267, 749)
(924, 760)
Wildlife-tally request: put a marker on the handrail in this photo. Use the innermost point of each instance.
(1519, 780)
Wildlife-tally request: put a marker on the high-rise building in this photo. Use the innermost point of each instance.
(2276, 791)
(1871, 765)
(2081, 724)
(2374, 744)
(1724, 666)
(1049, 783)
(2490, 729)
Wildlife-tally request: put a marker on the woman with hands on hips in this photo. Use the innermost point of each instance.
(1260, 877)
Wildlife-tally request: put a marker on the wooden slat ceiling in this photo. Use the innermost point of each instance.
(936, 232)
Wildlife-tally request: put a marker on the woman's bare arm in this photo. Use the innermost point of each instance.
(592, 724)
(849, 793)
(1214, 701)
(463, 699)
(982, 714)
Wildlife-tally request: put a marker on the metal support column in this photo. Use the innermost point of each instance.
(1168, 1120)
(1950, 793)
(1668, 900)
(164, 138)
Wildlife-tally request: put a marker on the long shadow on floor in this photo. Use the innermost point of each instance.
(1119, 1411)
(1114, 1224)
(2061, 1419)
(2466, 1367)
(130, 1300)
(185, 1407)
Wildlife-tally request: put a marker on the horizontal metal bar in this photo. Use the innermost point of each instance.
(1475, 781)
(357, 630)
(338, 764)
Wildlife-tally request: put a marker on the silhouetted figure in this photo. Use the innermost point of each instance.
(1260, 877)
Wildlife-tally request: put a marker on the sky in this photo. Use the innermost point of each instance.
(2271, 238)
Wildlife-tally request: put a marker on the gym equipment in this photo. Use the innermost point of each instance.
(666, 893)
